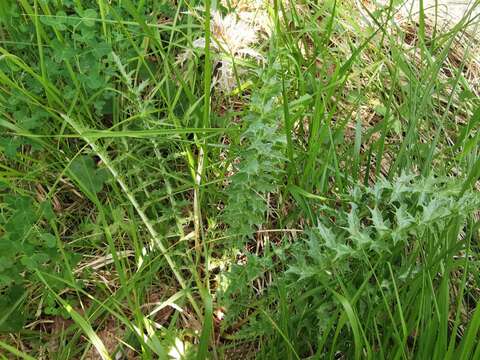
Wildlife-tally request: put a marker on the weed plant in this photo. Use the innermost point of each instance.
(323, 205)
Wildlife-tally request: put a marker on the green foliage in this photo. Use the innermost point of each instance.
(344, 166)
(84, 171)
(12, 314)
(261, 158)
(10, 146)
(391, 214)
(24, 247)
(389, 238)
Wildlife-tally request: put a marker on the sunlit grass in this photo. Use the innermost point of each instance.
(237, 179)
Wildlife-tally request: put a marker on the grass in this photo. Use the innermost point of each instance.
(302, 185)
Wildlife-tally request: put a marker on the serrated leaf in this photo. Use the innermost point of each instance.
(332, 242)
(434, 210)
(377, 220)
(251, 167)
(353, 220)
(358, 235)
(403, 218)
(401, 185)
(327, 235)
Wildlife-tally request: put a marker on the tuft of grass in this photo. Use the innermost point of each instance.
(323, 205)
